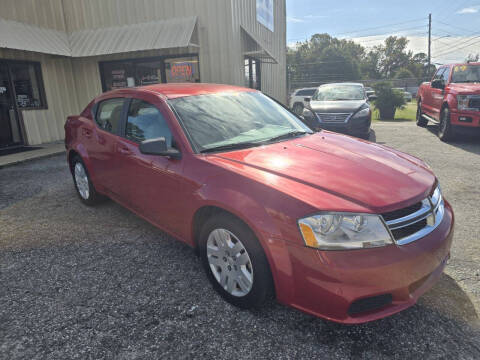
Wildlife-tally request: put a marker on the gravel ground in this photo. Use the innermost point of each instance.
(79, 282)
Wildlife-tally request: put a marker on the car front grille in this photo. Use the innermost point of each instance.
(333, 117)
(474, 103)
(416, 221)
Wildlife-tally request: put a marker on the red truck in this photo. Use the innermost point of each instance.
(451, 99)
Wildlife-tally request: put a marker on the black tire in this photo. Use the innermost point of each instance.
(298, 108)
(445, 131)
(262, 286)
(421, 121)
(93, 198)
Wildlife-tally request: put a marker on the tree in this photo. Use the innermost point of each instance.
(325, 59)
(472, 58)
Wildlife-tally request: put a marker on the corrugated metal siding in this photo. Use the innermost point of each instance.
(172, 33)
(21, 36)
(214, 31)
(274, 76)
(71, 83)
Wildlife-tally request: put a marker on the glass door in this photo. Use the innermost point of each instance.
(9, 127)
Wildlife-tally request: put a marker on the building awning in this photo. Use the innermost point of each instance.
(155, 35)
(254, 48)
(165, 34)
(20, 36)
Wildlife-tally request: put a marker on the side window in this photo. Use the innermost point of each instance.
(438, 74)
(446, 75)
(109, 115)
(146, 122)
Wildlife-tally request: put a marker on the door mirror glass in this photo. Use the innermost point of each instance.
(158, 146)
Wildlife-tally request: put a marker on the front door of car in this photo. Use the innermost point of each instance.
(439, 94)
(431, 96)
(101, 143)
(151, 182)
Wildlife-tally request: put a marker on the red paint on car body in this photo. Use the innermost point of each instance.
(270, 187)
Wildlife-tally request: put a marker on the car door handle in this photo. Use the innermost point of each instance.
(87, 132)
(124, 151)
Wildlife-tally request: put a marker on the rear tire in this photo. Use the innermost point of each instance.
(81, 179)
(421, 121)
(235, 262)
(445, 131)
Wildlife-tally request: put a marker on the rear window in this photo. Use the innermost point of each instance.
(307, 92)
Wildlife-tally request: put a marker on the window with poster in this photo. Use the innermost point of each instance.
(253, 73)
(119, 74)
(182, 69)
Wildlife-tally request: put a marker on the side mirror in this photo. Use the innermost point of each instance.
(372, 97)
(306, 100)
(158, 146)
(438, 84)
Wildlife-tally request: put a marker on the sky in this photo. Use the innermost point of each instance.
(455, 23)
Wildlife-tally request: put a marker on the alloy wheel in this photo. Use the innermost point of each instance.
(81, 180)
(229, 262)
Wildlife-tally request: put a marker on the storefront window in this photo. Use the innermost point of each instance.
(183, 69)
(26, 80)
(139, 72)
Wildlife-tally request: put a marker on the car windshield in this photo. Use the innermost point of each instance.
(466, 74)
(339, 92)
(229, 119)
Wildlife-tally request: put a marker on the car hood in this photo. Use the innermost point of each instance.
(367, 174)
(465, 88)
(336, 106)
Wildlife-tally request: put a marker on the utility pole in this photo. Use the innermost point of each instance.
(429, 44)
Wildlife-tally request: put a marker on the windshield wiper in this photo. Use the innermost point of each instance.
(235, 146)
(288, 135)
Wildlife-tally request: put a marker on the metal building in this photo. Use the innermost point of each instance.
(56, 55)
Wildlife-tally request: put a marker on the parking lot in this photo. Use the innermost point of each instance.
(80, 282)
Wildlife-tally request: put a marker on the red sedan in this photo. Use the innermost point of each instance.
(337, 227)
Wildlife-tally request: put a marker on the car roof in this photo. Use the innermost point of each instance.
(176, 90)
(343, 83)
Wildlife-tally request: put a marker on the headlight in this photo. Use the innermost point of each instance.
(462, 102)
(362, 113)
(344, 231)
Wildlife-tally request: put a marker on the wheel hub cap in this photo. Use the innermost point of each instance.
(81, 179)
(229, 262)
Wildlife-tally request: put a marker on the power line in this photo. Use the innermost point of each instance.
(378, 27)
(456, 48)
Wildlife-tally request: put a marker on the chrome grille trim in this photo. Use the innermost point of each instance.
(333, 117)
(433, 209)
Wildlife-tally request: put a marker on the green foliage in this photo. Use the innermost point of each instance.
(388, 100)
(327, 59)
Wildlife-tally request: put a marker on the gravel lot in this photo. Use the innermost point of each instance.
(79, 282)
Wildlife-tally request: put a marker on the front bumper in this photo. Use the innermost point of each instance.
(465, 118)
(328, 283)
(356, 127)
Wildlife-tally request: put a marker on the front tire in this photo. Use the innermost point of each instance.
(445, 131)
(421, 121)
(235, 262)
(85, 189)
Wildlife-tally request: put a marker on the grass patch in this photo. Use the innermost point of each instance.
(408, 113)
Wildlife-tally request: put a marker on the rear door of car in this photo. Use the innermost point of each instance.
(102, 143)
(151, 182)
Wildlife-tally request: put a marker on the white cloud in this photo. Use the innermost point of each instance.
(469, 10)
(292, 19)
